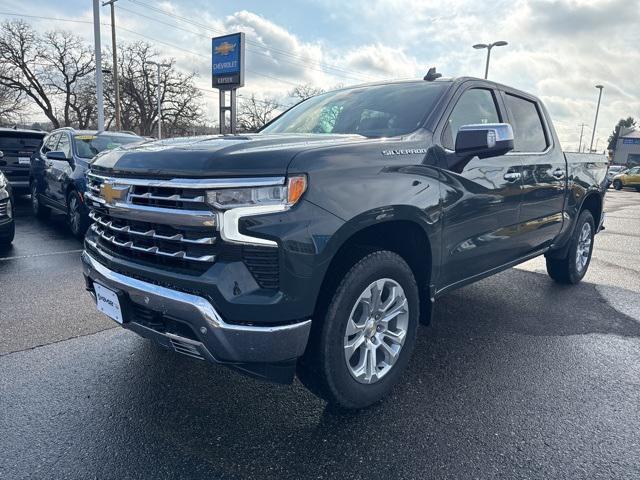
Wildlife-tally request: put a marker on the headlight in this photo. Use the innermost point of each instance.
(288, 195)
(3, 181)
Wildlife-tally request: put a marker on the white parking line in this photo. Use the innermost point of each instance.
(17, 257)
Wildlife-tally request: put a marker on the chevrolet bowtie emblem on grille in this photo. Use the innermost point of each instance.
(111, 193)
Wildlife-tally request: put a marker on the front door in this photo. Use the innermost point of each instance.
(481, 202)
(59, 170)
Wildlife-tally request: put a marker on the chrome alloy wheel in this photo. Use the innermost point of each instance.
(584, 247)
(376, 330)
(74, 214)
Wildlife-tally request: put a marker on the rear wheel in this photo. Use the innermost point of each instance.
(37, 208)
(359, 350)
(78, 221)
(573, 267)
(617, 184)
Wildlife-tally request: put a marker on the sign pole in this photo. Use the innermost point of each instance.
(233, 111)
(222, 111)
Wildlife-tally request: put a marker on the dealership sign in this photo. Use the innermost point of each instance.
(228, 61)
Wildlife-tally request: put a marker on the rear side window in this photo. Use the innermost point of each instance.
(528, 131)
(19, 141)
(475, 106)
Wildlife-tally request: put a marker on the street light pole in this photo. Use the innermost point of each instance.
(159, 96)
(478, 46)
(116, 83)
(96, 36)
(582, 125)
(595, 122)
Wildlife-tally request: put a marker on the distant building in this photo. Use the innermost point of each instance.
(628, 147)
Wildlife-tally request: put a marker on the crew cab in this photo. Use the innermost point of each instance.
(318, 244)
(16, 147)
(58, 168)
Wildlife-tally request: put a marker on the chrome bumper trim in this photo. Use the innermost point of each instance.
(226, 343)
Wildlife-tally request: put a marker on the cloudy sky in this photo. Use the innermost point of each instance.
(558, 49)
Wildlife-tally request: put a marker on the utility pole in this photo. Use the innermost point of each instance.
(595, 122)
(167, 65)
(489, 46)
(96, 36)
(116, 82)
(582, 125)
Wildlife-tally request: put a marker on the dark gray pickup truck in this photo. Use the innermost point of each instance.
(317, 245)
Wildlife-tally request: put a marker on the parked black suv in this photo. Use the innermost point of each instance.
(317, 244)
(58, 168)
(16, 148)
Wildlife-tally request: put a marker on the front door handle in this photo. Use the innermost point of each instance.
(558, 173)
(512, 176)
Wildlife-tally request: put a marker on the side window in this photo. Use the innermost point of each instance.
(50, 143)
(64, 145)
(475, 106)
(528, 131)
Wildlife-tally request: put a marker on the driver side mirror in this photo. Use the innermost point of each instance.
(57, 155)
(484, 140)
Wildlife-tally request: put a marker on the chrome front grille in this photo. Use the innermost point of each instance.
(167, 223)
(3, 209)
(139, 237)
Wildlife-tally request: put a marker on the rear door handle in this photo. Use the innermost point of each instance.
(512, 176)
(558, 173)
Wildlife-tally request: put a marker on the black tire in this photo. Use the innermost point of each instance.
(617, 184)
(7, 238)
(323, 369)
(39, 210)
(567, 270)
(637, 189)
(77, 218)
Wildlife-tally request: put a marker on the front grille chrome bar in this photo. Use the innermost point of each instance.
(108, 224)
(129, 244)
(169, 198)
(191, 182)
(160, 215)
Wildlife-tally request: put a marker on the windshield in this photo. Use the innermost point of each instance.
(373, 111)
(88, 146)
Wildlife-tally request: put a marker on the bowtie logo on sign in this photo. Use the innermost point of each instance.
(225, 48)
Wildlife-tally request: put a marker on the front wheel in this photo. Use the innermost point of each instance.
(617, 184)
(77, 219)
(37, 208)
(573, 267)
(359, 350)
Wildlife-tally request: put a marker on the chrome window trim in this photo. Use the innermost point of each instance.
(208, 183)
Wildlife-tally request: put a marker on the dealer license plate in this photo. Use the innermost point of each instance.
(107, 302)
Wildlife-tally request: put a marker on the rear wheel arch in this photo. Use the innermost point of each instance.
(593, 202)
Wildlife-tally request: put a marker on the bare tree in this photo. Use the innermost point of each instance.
(305, 91)
(181, 99)
(23, 65)
(254, 113)
(12, 103)
(70, 74)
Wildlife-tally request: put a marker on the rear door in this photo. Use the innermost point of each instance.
(633, 177)
(480, 202)
(544, 175)
(49, 187)
(59, 170)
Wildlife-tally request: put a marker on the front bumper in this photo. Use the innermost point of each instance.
(268, 352)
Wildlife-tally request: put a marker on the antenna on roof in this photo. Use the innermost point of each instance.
(432, 75)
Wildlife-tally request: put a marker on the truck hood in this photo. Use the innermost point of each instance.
(214, 156)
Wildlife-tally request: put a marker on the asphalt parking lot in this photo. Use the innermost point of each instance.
(517, 377)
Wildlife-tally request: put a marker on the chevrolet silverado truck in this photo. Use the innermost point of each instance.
(318, 244)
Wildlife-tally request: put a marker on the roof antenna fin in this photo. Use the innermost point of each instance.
(432, 75)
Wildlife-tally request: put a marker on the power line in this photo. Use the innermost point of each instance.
(144, 36)
(297, 61)
(251, 42)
